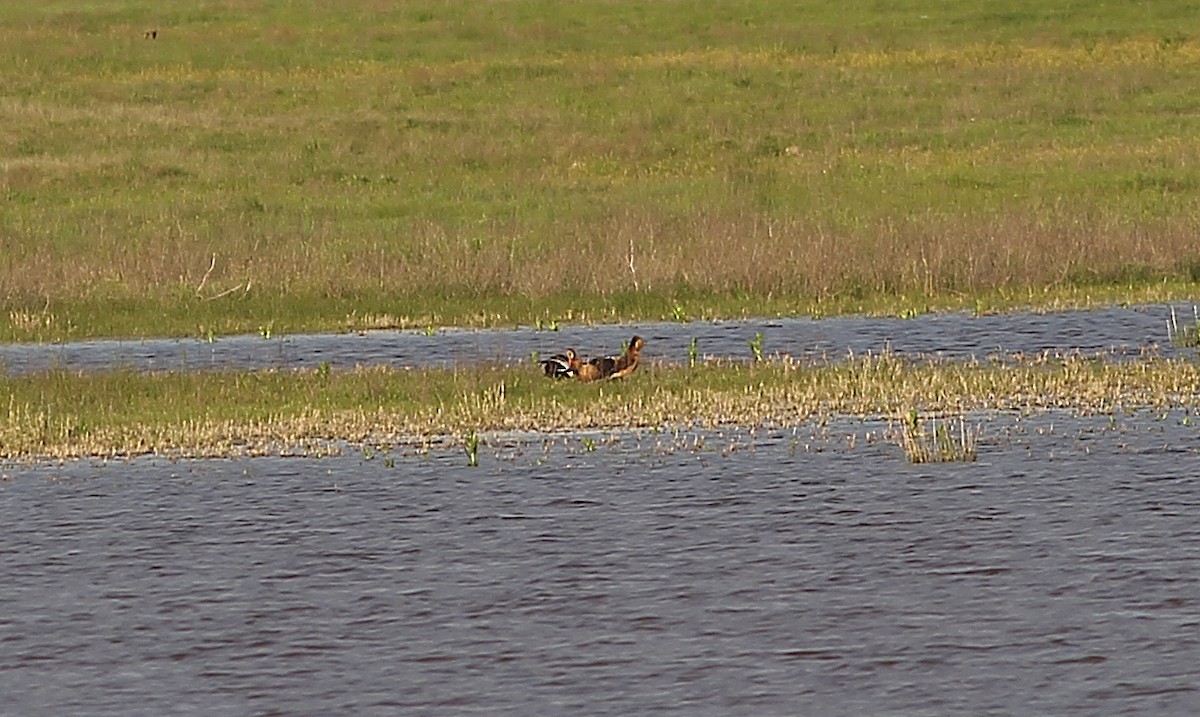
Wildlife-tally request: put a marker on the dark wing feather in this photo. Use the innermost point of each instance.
(557, 366)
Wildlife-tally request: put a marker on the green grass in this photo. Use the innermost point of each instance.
(333, 166)
(59, 414)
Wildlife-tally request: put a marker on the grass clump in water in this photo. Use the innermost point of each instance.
(471, 448)
(937, 442)
(1186, 335)
(756, 346)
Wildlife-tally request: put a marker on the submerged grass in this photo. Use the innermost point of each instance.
(360, 164)
(58, 414)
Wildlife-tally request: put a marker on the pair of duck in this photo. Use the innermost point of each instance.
(569, 365)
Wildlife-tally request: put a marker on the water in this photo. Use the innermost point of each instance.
(1116, 332)
(748, 572)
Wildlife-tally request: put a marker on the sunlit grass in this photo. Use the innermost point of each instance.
(333, 166)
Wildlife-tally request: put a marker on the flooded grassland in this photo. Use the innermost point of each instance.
(310, 395)
(351, 534)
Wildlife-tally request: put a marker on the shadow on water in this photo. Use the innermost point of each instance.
(739, 572)
(1115, 331)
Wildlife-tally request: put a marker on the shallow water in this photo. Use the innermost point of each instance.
(745, 572)
(1115, 331)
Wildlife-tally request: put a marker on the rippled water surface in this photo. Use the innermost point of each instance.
(1113, 331)
(806, 571)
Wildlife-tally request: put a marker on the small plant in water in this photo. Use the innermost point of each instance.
(471, 446)
(693, 352)
(756, 346)
(940, 443)
(1187, 335)
(589, 445)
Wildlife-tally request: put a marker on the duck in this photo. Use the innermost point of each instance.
(591, 371)
(612, 366)
(627, 362)
(561, 365)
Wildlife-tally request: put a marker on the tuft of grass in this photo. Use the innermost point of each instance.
(937, 442)
(756, 346)
(1185, 335)
(471, 447)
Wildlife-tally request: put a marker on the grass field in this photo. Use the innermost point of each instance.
(333, 166)
(59, 414)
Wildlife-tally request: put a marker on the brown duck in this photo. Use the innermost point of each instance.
(613, 366)
(627, 362)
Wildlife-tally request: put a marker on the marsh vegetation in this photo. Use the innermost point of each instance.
(63, 414)
(937, 440)
(1184, 334)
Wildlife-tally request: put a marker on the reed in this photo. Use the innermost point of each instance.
(267, 163)
(756, 346)
(471, 447)
(1185, 335)
(63, 414)
(937, 442)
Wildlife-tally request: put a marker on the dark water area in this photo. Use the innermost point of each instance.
(1116, 332)
(746, 572)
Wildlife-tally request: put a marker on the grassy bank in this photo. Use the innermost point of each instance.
(358, 164)
(60, 414)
